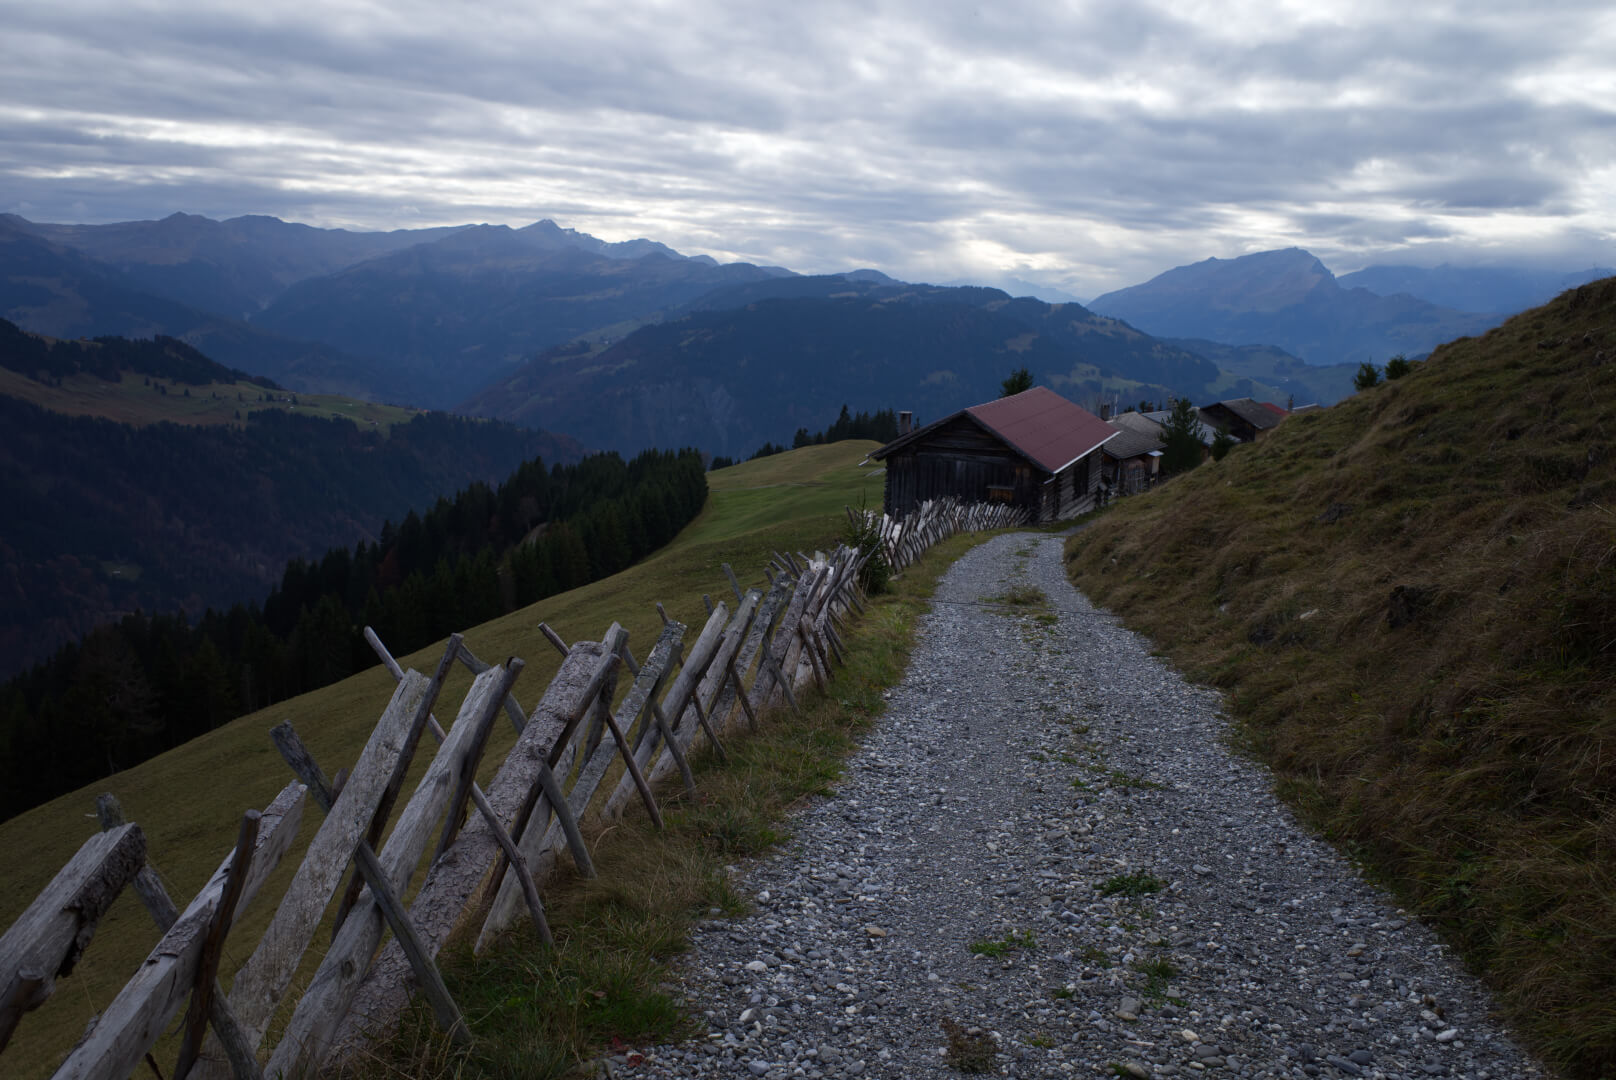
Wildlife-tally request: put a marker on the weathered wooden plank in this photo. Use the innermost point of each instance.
(705, 682)
(673, 705)
(466, 778)
(633, 768)
(452, 884)
(641, 698)
(519, 864)
(259, 984)
(594, 665)
(401, 767)
(762, 622)
(805, 629)
(50, 936)
(782, 651)
(227, 1038)
(324, 1004)
(587, 675)
(476, 666)
(370, 869)
(207, 965)
(137, 1016)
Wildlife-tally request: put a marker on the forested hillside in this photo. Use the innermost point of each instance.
(730, 378)
(51, 289)
(150, 682)
(104, 518)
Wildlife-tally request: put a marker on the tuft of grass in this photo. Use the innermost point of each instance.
(1134, 884)
(968, 1053)
(1093, 954)
(1022, 599)
(1013, 941)
(1458, 747)
(1158, 972)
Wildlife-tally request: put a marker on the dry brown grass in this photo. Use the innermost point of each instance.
(1460, 736)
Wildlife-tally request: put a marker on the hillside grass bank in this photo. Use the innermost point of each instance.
(1410, 599)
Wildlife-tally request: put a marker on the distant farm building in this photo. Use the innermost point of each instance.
(1132, 461)
(1243, 418)
(1034, 450)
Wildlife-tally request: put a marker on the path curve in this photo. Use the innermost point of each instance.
(1024, 769)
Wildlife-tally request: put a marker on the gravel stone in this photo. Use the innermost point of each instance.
(1052, 788)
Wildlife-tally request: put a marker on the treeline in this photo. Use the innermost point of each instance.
(109, 357)
(133, 689)
(103, 518)
(882, 426)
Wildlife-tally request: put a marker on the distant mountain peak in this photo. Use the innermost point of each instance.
(875, 276)
(1288, 298)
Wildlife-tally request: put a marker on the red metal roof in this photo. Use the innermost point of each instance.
(1044, 426)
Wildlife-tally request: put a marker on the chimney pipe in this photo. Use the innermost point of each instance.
(905, 422)
(1105, 410)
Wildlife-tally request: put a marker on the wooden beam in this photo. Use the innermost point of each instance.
(381, 890)
(467, 778)
(324, 1004)
(207, 965)
(136, 1018)
(259, 985)
(513, 708)
(675, 701)
(401, 766)
(588, 673)
(479, 799)
(729, 572)
(227, 1032)
(554, 639)
(454, 882)
(48, 938)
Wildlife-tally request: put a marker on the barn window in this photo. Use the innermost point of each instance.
(1000, 492)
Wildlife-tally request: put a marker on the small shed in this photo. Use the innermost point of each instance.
(1246, 419)
(1132, 461)
(1034, 449)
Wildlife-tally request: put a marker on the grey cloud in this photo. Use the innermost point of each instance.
(903, 136)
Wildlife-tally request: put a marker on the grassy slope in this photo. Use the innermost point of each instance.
(189, 801)
(1467, 756)
(131, 401)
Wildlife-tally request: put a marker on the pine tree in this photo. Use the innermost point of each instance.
(1019, 381)
(1182, 434)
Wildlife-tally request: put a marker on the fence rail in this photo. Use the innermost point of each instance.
(578, 760)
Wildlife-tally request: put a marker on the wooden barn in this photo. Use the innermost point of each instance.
(1034, 449)
(1243, 418)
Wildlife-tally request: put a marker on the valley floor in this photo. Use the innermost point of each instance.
(1046, 841)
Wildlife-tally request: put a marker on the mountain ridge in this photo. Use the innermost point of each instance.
(751, 363)
(1290, 299)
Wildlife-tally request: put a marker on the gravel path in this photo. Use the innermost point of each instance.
(1045, 845)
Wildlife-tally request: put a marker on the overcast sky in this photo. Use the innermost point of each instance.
(1086, 146)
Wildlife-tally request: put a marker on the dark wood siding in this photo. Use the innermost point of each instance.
(963, 460)
(1079, 485)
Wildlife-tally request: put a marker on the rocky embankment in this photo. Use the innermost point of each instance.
(1043, 863)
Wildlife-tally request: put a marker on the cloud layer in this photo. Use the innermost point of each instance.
(1087, 145)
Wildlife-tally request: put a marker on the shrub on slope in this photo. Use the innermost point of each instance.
(1411, 600)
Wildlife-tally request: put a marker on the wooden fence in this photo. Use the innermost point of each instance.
(905, 539)
(578, 759)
